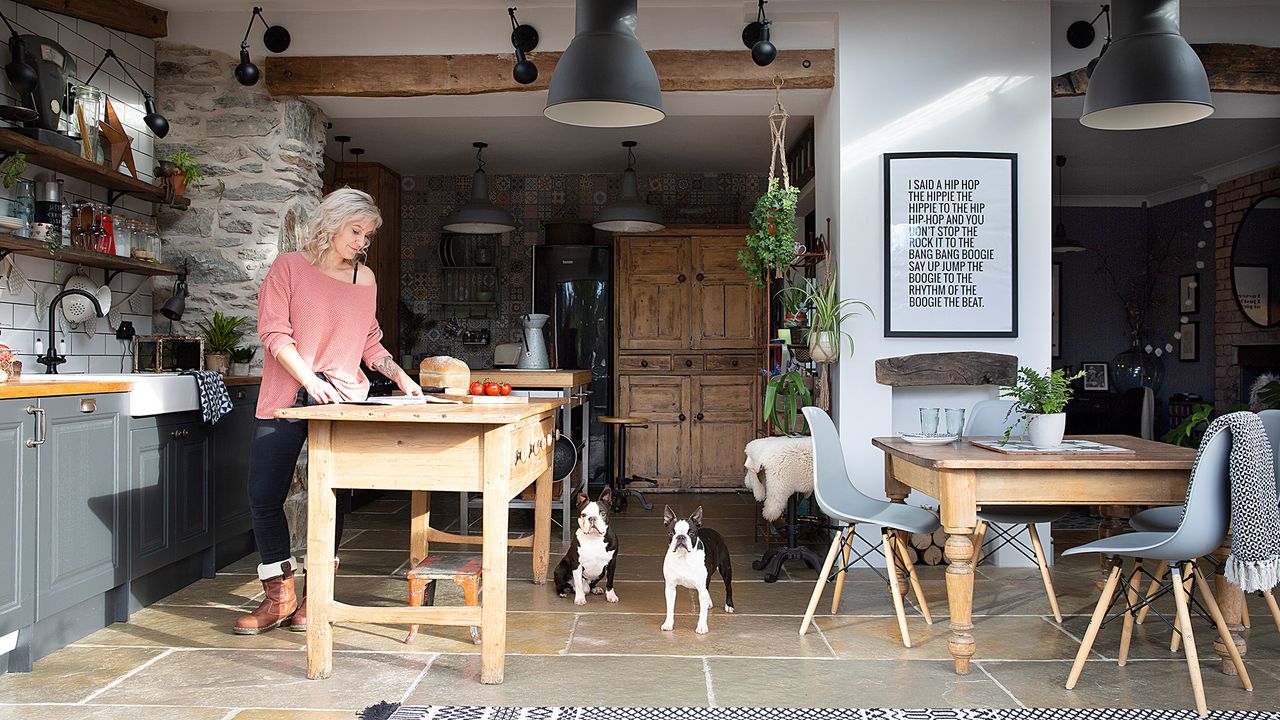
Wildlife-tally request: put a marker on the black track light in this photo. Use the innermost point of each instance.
(756, 36)
(22, 76)
(524, 38)
(275, 38)
(157, 123)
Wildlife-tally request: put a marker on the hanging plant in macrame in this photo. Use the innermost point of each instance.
(771, 242)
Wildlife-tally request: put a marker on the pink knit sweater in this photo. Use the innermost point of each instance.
(332, 323)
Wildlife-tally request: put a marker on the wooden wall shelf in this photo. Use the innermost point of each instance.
(60, 161)
(34, 248)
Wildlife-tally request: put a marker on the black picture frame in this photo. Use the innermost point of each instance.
(1055, 311)
(1189, 343)
(1189, 293)
(1097, 377)
(894, 324)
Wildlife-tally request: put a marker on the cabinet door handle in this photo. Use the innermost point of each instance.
(699, 277)
(682, 418)
(644, 363)
(239, 394)
(40, 426)
(88, 405)
(698, 416)
(681, 278)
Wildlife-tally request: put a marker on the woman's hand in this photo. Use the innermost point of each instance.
(322, 392)
(407, 385)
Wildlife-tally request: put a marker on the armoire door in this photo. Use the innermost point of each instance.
(660, 451)
(653, 297)
(725, 304)
(722, 422)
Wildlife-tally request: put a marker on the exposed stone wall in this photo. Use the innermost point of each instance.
(262, 158)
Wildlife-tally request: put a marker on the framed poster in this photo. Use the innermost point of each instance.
(1252, 292)
(1189, 293)
(1055, 317)
(951, 244)
(1096, 376)
(1189, 343)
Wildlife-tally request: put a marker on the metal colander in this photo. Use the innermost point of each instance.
(77, 308)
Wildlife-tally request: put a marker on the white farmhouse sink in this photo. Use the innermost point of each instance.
(152, 394)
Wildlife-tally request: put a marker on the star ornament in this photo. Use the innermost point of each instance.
(117, 145)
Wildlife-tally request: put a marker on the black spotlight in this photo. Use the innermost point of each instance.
(175, 306)
(158, 123)
(276, 39)
(1080, 35)
(155, 121)
(756, 36)
(524, 38)
(21, 75)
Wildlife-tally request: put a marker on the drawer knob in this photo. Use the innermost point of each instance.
(688, 363)
(734, 362)
(698, 416)
(644, 363)
(682, 417)
(681, 277)
(700, 277)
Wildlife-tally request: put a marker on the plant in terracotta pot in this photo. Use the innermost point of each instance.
(182, 170)
(826, 316)
(241, 358)
(771, 243)
(222, 334)
(1040, 400)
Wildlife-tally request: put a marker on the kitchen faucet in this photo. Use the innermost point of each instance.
(51, 359)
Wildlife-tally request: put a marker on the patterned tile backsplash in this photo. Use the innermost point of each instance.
(685, 199)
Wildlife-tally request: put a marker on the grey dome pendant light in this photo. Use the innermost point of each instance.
(478, 216)
(1149, 77)
(629, 214)
(1062, 243)
(605, 78)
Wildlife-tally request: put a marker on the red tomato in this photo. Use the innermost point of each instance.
(477, 388)
(505, 388)
(491, 388)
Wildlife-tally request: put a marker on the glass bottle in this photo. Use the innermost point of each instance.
(124, 235)
(66, 216)
(25, 206)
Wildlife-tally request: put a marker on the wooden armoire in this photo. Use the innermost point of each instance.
(689, 335)
(383, 184)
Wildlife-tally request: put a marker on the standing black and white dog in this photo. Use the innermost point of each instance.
(694, 553)
(593, 555)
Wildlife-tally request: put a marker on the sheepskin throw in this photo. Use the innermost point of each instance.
(777, 467)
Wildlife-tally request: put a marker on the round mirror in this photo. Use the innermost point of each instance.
(1255, 263)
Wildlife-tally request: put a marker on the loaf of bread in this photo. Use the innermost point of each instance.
(445, 372)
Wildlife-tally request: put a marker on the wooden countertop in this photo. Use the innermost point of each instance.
(469, 414)
(524, 379)
(1147, 454)
(35, 386)
(234, 380)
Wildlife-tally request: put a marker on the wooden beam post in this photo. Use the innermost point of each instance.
(423, 75)
(124, 15)
(1231, 68)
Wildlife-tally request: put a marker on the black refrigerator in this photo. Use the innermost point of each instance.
(571, 283)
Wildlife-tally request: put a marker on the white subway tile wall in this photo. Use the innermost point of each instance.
(100, 352)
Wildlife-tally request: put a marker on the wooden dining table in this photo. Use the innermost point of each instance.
(963, 477)
(494, 450)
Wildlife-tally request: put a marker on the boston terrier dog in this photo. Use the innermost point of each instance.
(693, 555)
(593, 556)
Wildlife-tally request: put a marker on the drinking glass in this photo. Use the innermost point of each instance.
(929, 421)
(955, 421)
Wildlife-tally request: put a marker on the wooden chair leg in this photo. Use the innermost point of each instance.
(979, 535)
(1188, 579)
(1184, 624)
(1244, 611)
(418, 589)
(1271, 604)
(1135, 585)
(1211, 604)
(890, 549)
(846, 550)
(836, 543)
(470, 585)
(911, 573)
(1044, 571)
(1161, 570)
(1099, 612)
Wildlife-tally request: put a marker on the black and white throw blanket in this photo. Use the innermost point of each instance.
(1254, 563)
(214, 399)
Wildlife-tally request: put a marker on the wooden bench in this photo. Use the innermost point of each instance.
(463, 570)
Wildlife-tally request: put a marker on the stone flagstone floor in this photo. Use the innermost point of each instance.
(179, 658)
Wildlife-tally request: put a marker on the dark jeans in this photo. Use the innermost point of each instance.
(272, 458)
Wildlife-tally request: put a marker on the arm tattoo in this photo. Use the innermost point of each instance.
(388, 367)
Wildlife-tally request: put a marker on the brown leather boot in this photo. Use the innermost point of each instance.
(299, 622)
(277, 607)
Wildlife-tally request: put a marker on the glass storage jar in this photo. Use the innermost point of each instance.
(88, 110)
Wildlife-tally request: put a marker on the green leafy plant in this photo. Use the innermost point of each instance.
(12, 168)
(1269, 394)
(1037, 394)
(827, 310)
(191, 169)
(222, 333)
(771, 242)
(1188, 432)
(243, 354)
(784, 395)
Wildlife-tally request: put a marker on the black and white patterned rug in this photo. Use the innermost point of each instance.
(437, 712)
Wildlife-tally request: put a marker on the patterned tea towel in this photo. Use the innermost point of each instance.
(214, 399)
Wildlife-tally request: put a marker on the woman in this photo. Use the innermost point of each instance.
(316, 321)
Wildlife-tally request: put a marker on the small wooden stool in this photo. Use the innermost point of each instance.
(463, 571)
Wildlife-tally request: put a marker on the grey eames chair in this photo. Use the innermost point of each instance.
(1201, 529)
(844, 503)
(991, 417)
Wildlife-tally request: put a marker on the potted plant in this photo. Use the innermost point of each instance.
(827, 315)
(12, 168)
(182, 170)
(222, 334)
(771, 242)
(241, 358)
(1041, 401)
(784, 395)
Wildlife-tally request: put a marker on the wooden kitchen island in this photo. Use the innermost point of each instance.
(495, 450)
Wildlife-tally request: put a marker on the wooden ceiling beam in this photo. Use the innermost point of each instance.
(1231, 68)
(124, 15)
(423, 75)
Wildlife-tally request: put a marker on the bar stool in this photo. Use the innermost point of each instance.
(618, 483)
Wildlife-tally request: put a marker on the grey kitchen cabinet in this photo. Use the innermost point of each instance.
(17, 517)
(232, 437)
(171, 494)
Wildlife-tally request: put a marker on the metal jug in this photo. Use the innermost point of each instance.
(533, 355)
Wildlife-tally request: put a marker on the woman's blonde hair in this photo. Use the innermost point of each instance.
(337, 209)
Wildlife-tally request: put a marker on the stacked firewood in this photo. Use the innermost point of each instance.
(927, 548)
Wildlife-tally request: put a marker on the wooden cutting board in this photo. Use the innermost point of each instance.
(485, 399)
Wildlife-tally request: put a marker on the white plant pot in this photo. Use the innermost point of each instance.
(239, 369)
(1046, 430)
(824, 346)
